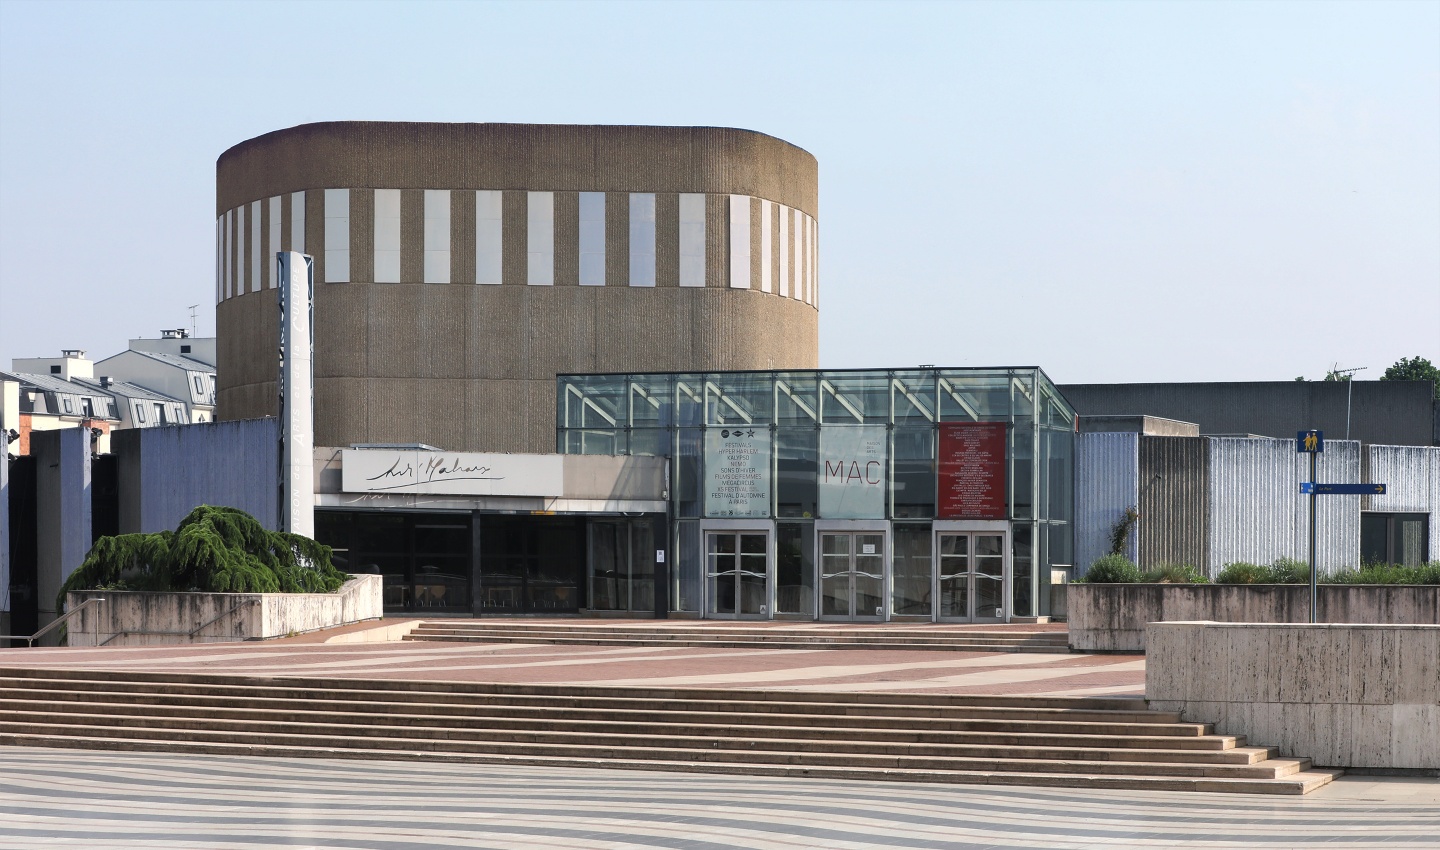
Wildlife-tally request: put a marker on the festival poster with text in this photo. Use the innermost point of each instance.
(972, 470)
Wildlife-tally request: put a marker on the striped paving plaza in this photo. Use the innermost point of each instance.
(101, 800)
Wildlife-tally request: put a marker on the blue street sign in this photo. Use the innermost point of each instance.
(1307, 489)
(1309, 441)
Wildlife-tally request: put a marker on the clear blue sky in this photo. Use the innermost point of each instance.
(1112, 191)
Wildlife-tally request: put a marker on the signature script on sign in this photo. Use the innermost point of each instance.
(432, 469)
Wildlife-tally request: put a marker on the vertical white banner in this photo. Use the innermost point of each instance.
(737, 472)
(852, 472)
(297, 393)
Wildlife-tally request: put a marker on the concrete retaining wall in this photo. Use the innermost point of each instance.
(1365, 696)
(133, 618)
(1114, 616)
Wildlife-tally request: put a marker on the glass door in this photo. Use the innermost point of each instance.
(736, 570)
(852, 575)
(970, 577)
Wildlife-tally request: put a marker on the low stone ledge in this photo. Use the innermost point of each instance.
(1343, 695)
(1113, 617)
(139, 618)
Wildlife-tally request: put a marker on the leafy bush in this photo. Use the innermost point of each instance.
(213, 550)
(1289, 571)
(1112, 569)
(1387, 574)
(1174, 574)
(1242, 573)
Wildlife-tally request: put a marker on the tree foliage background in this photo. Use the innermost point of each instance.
(1414, 369)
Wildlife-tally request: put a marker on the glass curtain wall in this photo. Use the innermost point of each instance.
(796, 427)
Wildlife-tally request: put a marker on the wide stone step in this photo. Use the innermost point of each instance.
(1294, 784)
(956, 720)
(502, 724)
(340, 739)
(873, 742)
(1060, 638)
(731, 643)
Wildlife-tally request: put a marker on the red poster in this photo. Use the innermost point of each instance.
(972, 470)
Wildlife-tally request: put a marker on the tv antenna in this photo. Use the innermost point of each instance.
(194, 325)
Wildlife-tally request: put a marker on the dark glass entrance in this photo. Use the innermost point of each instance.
(531, 565)
(425, 558)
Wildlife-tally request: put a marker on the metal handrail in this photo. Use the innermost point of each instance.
(56, 623)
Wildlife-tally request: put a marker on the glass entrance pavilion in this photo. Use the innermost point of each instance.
(891, 495)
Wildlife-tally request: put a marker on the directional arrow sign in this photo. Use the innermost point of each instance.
(1307, 488)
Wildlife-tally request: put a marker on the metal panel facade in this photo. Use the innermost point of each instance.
(1256, 511)
(1173, 501)
(1411, 475)
(235, 464)
(1106, 483)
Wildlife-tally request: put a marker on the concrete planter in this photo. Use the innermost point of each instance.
(134, 618)
(1360, 696)
(1113, 616)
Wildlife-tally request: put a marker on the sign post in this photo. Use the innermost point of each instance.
(1312, 443)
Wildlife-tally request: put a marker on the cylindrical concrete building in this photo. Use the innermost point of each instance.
(460, 267)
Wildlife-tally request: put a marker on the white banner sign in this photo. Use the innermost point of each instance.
(737, 472)
(451, 473)
(852, 472)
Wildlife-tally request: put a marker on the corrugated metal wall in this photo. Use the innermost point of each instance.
(1257, 513)
(1106, 483)
(1411, 475)
(235, 464)
(1173, 501)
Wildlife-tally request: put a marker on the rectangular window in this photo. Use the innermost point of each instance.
(739, 241)
(256, 259)
(592, 238)
(219, 259)
(437, 236)
(814, 263)
(271, 273)
(387, 235)
(801, 266)
(1394, 538)
(337, 235)
(766, 252)
(692, 239)
(229, 261)
(297, 222)
(487, 236)
(642, 239)
(237, 280)
(785, 253)
(540, 239)
(140, 411)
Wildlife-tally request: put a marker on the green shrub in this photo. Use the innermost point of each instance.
(213, 550)
(1289, 571)
(1112, 569)
(1387, 574)
(1241, 572)
(1174, 574)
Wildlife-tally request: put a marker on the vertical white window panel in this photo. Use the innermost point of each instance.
(766, 248)
(642, 239)
(814, 263)
(488, 226)
(437, 235)
(219, 259)
(229, 269)
(257, 262)
(297, 222)
(237, 281)
(274, 242)
(692, 239)
(387, 235)
(801, 257)
(540, 238)
(592, 238)
(337, 235)
(784, 287)
(739, 242)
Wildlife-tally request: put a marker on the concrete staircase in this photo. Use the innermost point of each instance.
(1050, 741)
(805, 636)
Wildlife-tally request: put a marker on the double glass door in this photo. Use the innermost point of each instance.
(852, 575)
(736, 571)
(970, 579)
